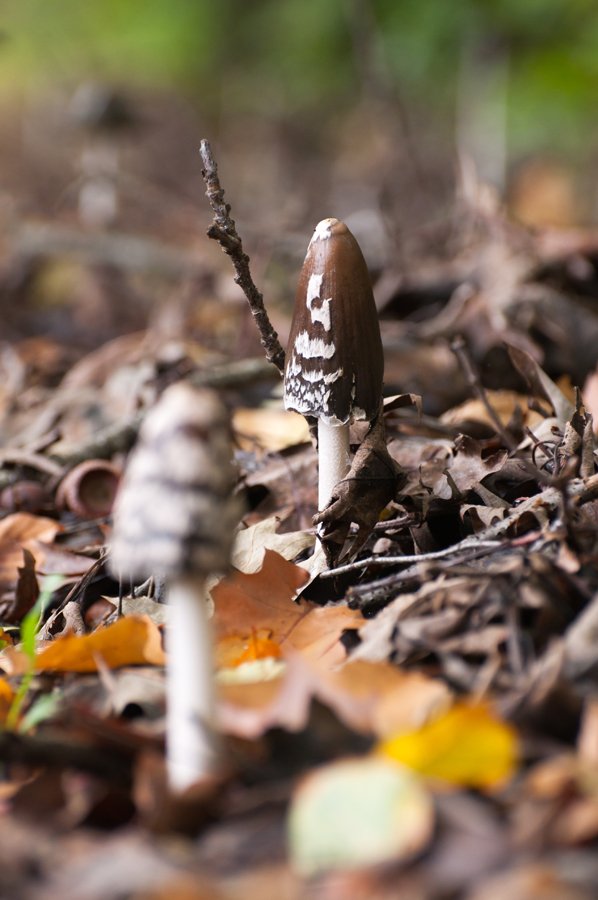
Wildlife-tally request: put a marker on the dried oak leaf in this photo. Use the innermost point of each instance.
(271, 429)
(506, 405)
(251, 544)
(22, 531)
(26, 593)
(372, 482)
(380, 698)
(541, 385)
(468, 467)
(370, 698)
(264, 600)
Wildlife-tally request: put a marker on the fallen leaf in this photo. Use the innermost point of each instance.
(145, 606)
(264, 600)
(251, 544)
(272, 429)
(356, 813)
(26, 592)
(468, 467)
(21, 526)
(467, 746)
(371, 698)
(360, 498)
(7, 696)
(253, 671)
(541, 385)
(22, 531)
(53, 559)
(234, 650)
(383, 699)
(504, 403)
(131, 641)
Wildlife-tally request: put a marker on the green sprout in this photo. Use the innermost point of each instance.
(29, 628)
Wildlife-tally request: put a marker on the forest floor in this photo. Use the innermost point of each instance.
(422, 722)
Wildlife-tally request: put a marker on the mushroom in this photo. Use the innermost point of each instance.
(335, 362)
(174, 518)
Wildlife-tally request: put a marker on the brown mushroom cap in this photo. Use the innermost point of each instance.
(335, 362)
(174, 514)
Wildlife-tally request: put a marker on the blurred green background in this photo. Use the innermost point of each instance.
(417, 121)
(279, 57)
(504, 82)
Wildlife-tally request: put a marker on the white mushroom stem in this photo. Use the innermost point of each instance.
(191, 744)
(333, 459)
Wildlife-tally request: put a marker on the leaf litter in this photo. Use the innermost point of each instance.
(452, 641)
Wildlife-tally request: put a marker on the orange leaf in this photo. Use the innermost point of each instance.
(131, 641)
(18, 531)
(21, 527)
(381, 698)
(264, 600)
(372, 698)
(234, 650)
(467, 746)
(6, 697)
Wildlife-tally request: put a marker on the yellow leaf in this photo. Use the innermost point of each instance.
(467, 746)
(133, 640)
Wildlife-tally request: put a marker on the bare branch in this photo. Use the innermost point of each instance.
(120, 437)
(223, 230)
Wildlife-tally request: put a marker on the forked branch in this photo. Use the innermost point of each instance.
(223, 230)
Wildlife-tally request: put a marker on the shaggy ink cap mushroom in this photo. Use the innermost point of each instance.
(174, 514)
(174, 517)
(335, 362)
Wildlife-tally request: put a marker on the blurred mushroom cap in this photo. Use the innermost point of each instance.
(175, 514)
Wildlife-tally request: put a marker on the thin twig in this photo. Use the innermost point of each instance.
(550, 498)
(473, 380)
(120, 437)
(26, 459)
(73, 599)
(123, 251)
(223, 230)
(467, 544)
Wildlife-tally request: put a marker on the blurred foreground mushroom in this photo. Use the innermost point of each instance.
(175, 518)
(335, 361)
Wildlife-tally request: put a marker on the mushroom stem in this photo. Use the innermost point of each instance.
(333, 459)
(191, 744)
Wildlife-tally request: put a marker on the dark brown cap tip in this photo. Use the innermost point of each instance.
(334, 359)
